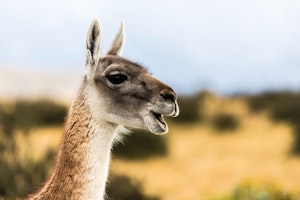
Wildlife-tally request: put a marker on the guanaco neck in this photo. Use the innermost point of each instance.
(83, 161)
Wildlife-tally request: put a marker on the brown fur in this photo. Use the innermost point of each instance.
(100, 108)
(68, 180)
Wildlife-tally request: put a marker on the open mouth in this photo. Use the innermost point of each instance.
(159, 117)
(154, 118)
(161, 125)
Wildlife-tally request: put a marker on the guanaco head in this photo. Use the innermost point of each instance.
(123, 92)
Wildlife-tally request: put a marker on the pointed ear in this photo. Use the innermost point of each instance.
(93, 41)
(118, 43)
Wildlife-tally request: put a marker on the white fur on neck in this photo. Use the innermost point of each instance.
(103, 135)
(102, 138)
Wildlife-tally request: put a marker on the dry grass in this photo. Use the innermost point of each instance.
(203, 164)
(35, 145)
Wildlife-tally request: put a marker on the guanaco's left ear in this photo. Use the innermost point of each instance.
(118, 43)
(93, 42)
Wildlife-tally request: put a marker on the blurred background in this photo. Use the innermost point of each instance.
(235, 65)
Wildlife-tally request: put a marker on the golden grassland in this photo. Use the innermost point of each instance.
(202, 163)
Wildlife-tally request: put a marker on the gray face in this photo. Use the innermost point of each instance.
(132, 96)
(123, 92)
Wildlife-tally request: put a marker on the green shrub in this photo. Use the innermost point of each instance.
(38, 113)
(188, 110)
(225, 122)
(7, 121)
(283, 106)
(295, 150)
(261, 101)
(28, 114)
(121, 187)
(259, 191)
(20, 179)
(251, 190)
(141, 144)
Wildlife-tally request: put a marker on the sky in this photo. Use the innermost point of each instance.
(228, 46)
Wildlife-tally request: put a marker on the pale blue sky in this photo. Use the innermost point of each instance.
(226, 46)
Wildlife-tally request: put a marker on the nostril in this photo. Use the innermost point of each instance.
(168, 95)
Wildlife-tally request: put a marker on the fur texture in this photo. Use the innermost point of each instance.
(114, 93)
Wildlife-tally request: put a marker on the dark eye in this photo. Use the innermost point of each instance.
(117, 78)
